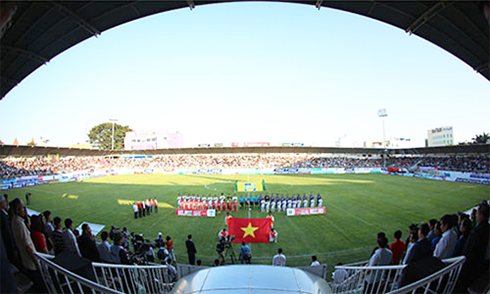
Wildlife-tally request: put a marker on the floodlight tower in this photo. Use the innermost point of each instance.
(382, 113)
(112, 120)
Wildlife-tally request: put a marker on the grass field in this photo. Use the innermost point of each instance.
(358, 206)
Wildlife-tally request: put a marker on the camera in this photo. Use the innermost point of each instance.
(228, 241)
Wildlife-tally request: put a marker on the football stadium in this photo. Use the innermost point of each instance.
(256, 218)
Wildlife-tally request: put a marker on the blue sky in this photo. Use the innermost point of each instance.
(251, 72)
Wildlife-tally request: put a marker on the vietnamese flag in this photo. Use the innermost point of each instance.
(250, 230)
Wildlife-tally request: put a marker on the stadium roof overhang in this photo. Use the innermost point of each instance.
(31, 151)
(33, 32)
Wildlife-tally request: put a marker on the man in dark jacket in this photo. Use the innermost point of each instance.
(86, 244)
(191, 250)
(422, 248)
(475, 249)
(6, 231)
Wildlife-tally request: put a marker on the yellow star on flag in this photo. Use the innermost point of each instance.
(249, 230)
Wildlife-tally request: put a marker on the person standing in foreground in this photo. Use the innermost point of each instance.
(170, 248)
(279, 259)
(314, 261)
(339, 275)
(87, 245)
(445, 246)
(245, 254)
(382, 256)
(475, 250)
(397, 247)
(191, 250)
(69, 239)
(421, 249)
(26, 248)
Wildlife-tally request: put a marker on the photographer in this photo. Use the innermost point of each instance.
(245, 254)
(220, 247)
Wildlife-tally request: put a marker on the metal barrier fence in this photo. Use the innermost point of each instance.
(135, 278)
(116, 278)
(386, 279)
(60, 280)
(442, 281)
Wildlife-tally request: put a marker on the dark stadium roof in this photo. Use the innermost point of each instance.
(31, 151)
(33, 32)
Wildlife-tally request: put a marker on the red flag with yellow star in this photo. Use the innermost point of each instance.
(250, 230)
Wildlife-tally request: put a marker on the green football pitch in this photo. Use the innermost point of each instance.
(357, 208)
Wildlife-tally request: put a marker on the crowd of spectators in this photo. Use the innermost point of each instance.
(16, 167)
(431, 242)
(23, 235)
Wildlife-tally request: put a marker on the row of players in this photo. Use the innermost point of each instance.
(200, 203)
(266, 203)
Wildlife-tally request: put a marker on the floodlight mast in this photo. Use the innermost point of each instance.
(112, 120)
(382, 113)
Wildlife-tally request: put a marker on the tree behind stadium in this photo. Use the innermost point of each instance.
(481, 139)
(101, 136)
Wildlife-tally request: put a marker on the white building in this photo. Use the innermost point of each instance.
(391, 143)
(152, 140)
(442, 136)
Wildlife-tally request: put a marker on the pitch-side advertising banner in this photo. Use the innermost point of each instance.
(188, 212)
(305, 211)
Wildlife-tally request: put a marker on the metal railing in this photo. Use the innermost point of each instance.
(386, 279)
(369, 279)
(135, 278)
(59, 280)
(442, 281)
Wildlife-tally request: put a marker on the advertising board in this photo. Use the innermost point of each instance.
(305, 211)
(196, 213)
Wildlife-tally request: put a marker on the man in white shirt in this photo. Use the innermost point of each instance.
(314, 261)
(22, 238)
(104, 248)
(339, 275)
(135, 209)
(382, 256)
(69, 239)
(279, 259)
(445, 246)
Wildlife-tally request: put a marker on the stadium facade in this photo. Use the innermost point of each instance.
(442, 136)
(153, 140)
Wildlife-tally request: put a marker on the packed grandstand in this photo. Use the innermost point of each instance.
(17, 167)
(459, 265)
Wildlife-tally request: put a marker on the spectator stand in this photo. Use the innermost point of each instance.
(59, 280)
(109, 278)
(386, 279)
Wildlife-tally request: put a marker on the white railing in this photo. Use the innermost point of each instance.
(442, 281)
(386, 279)
(135, 278)
(369, 279)
(59, 280)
